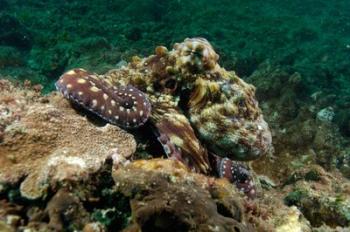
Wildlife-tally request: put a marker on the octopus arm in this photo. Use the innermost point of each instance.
(178, 138)
(236, 172)
(124, 106)
(203, 92)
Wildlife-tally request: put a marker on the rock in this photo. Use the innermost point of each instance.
(47, 144)
(326, 114)
(292, 222)
(66, 211)
(5, 228)
(164, 194)
(93, 227)
(322, 198)
(319, 208)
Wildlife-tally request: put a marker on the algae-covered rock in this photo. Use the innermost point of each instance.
(321, 208)
(66, 212)
(292, 222)
(323, 198)
(164, 194)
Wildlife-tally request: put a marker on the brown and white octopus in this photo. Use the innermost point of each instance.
(203, 115)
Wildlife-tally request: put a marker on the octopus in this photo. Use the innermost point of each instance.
(202, 115)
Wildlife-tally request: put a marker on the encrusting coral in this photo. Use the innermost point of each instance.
(45, 142)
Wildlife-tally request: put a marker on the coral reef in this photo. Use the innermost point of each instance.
(304, 132)
(64, 210)
(294, 193)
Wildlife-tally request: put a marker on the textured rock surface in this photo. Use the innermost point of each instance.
(44, 142)
(164, 194)
(323, 199)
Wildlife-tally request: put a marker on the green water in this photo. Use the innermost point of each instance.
(41, 39)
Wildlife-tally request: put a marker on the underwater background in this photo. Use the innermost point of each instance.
(296, 54)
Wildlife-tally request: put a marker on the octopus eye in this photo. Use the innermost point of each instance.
(157, 86)
(241, 103)
(197, 54)
(170, 84)
(187, 52)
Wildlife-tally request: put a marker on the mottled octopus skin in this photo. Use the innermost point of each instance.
(178, 138)
(228, 119)
(124, 106)
(197, 107)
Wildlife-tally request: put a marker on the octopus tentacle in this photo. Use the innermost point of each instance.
(236, 172)
(124, 106)
(177, 136)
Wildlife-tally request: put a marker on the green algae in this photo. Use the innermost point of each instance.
(294, 197)
(116, 213)
(319, 208)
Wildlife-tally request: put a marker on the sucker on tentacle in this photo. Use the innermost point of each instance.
(124, 106)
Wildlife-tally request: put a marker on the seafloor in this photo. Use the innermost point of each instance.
(296, 54)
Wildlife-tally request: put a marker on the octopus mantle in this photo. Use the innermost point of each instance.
(203, 115)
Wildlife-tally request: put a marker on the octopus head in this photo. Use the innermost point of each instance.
(248, 141)
(227, 118)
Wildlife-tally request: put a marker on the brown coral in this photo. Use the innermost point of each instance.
(65, 209)
(47, 142)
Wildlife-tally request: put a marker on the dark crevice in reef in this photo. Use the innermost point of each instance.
(162, 221)
(92, 117)
(146, 137)
(11, 202)
(107, 206)
(223, 210)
